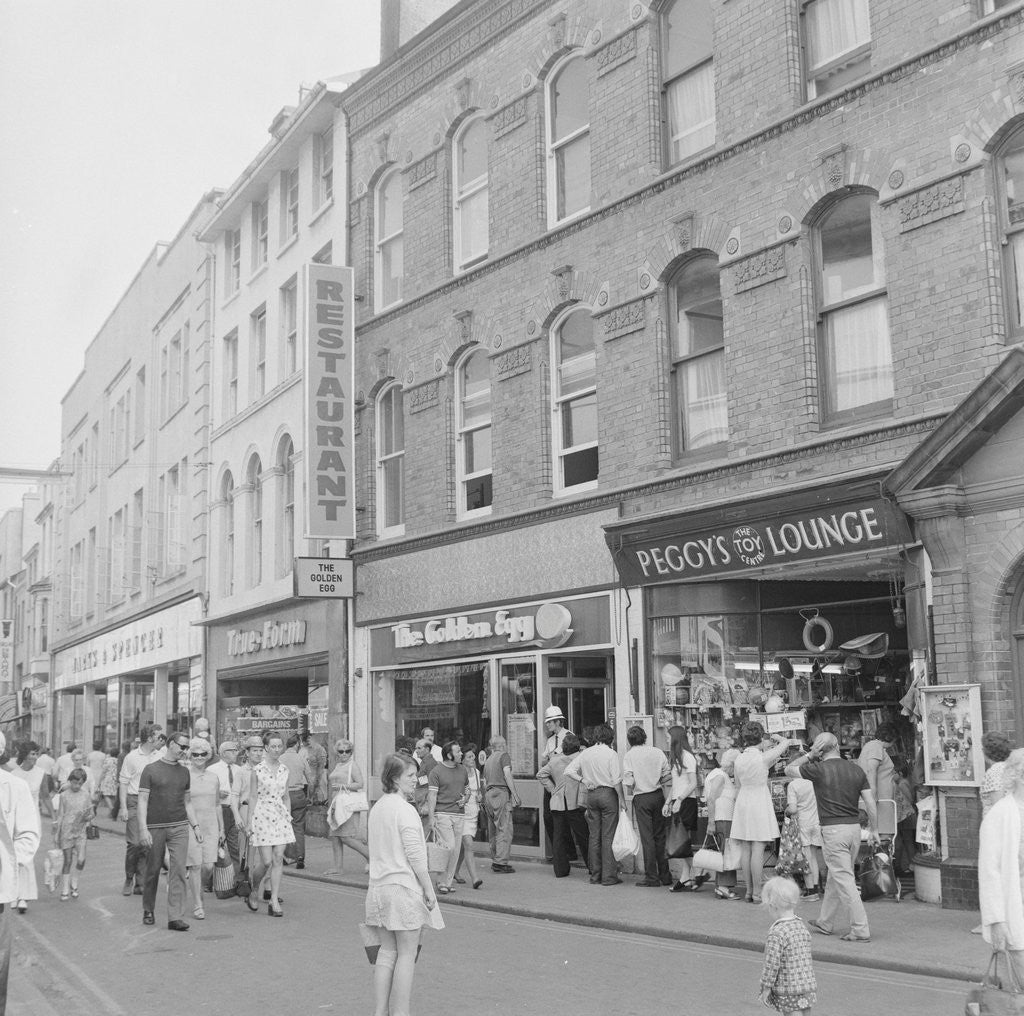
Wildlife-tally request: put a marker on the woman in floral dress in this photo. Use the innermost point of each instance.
(270, 822)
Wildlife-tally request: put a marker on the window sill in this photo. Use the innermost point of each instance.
(262, 270)
(579, 488)
(288, 244)
(229, 300)
(477, 513)
(855, 417)
(559, 223)
(707, 453)
(170, 576)
(322, 211)
(470, 266)
(391, 534)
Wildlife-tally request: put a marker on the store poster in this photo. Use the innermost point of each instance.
(926, 808)
(522, 744)
(952, 735)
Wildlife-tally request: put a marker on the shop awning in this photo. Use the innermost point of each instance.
(852, 517)
(10, 708)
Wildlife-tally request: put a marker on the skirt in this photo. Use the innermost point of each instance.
(352, 826)
(399, 908)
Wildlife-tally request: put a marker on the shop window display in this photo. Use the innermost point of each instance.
(799, 658)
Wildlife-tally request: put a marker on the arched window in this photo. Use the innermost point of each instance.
(470, 193)
(1011, 212)
(574, 397)
(387, 228)
(857, 375)
(473, 452)
(688, 77)
(255, 548)
(227, 559)
(568, 98)
(390, 462)
(286, 538)
(698, 356)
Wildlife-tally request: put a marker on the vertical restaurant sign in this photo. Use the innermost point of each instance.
(328, 318)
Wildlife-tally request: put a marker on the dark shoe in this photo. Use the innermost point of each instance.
(128, 886)
(646, 883)
(503, 869)
(177, 926)
(595, 881)
(459, 881)
(613, 881)
(299, 865)
(699, 880)
(689, 886)
(266, 896)
(479, 882)
(138, 890)
(147, 917)
(278, 912)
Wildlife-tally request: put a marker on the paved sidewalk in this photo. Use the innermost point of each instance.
(908, 937)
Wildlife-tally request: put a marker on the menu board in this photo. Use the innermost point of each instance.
(522, 744)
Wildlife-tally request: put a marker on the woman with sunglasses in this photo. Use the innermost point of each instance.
(346, 779)
(204, 789)
(270, 823)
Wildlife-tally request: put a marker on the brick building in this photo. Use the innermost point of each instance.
(686, 352)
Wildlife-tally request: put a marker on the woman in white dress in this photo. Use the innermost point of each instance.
(39, 785)
(346, 778)
(754, 824)
(400, 898)
(270, 823)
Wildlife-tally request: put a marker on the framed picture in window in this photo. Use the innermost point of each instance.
(869, 721)
(952, 735)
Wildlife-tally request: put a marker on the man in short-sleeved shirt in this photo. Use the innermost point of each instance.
(500, 797)
(165, 814)
(446, 800)
(131, 772)
(840, 789)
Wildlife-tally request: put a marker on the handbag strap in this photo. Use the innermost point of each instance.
(712, 838)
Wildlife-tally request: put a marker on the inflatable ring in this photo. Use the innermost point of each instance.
(827, 635)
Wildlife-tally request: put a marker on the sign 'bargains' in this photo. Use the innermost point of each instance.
(328, 320)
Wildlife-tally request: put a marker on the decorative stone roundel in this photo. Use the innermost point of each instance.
(595, 37)
(637, 12)
(438, 365)
(645, 281)
(496, 342)
(531, 327)
(527, 79)
(437, 137)
(495, 100)
(360, 188)
(785, 224)
(409, 376)
(602, 297)
(896, 179)
(962, 152)
(732, 246)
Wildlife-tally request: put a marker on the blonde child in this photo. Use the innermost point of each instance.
(74, 813)
(787, 981)
(802, 807)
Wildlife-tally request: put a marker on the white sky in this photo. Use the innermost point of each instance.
(115, 117)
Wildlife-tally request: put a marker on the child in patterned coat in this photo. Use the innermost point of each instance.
(787, 981)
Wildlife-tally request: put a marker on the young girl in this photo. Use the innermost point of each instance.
(74, 813)
(787, 981)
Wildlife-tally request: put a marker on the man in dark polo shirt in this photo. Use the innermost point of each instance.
(841, 790)
(165, 814)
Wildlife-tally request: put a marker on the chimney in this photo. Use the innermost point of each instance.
(400, 20)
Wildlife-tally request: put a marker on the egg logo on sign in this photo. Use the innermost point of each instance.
(552, 625)
(749, 545)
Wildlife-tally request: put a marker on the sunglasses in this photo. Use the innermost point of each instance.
(183, 745)
(199, 754)
(344, 751)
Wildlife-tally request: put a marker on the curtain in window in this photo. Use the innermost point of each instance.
(860, 356)
(1016, 255)
(691, 103)
(835, 27)
(705, 419)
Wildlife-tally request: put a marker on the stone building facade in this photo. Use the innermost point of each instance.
(634, 275)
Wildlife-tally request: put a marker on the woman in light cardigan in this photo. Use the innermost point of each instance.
(999, 880)
(400, 899)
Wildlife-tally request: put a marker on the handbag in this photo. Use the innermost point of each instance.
(792, 859)
(224, 878)
(877, 877)
(315, 822)
(992, 997)
(625, 842)
(92, 832)
(677, 839)
(710, 858)
(437, 853)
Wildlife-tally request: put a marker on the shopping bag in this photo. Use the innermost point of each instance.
(224, 878)
(315, 821)
(730, 854)
(677, 839)
(709, 857)
(625, 842)
(437, 853)
(877, 877)
(792, 859)
(994, 998)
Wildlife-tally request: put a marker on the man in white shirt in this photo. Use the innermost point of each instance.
(65, 765)
(230, 775)
(645, 774)
(19, 840)
(427, 733)
(131, 773)
(598, 769)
